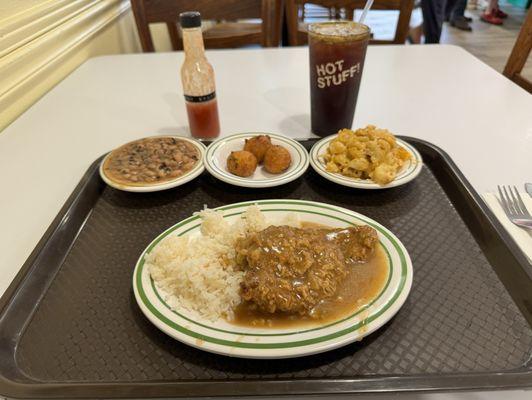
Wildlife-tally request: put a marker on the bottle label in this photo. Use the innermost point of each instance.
(200, 99)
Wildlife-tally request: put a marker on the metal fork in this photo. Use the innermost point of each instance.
(513, 206)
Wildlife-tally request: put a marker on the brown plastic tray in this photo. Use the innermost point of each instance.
(70, 327)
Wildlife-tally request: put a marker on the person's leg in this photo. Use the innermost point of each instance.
(498, 12)
(490, 15)
(450, 5)
(432, 19)
(458, 9)
(492, 6)
(458, 19)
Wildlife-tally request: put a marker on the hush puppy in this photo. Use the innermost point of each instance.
(242, 163)
(277, 159)
(258, 146)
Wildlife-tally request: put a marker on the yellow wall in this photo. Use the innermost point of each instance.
(42, 41)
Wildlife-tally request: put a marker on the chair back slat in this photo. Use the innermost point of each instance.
(266, 33)
(168, 10)
(173, 32)
(354, 4)
(298, 37)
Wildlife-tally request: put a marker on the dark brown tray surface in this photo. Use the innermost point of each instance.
(458, 319)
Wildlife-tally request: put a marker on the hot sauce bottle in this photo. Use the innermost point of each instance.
(197, 77)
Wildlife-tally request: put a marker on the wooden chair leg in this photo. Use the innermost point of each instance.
(349, 14)
(292, 19)
(403, 23)
(519, 54)
(271, 14)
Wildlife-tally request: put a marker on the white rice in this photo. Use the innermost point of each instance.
(199, 275)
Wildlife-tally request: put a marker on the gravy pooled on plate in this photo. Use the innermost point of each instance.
(295, 276)
(151, 161)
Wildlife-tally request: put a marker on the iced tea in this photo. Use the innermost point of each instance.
(337, 51)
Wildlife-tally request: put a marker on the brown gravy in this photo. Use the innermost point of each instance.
(362, 284)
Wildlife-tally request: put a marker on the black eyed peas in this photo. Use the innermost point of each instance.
(151, 161)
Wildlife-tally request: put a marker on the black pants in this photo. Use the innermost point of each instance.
(434, 12)
(455, 9)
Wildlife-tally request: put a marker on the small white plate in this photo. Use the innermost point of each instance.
(194, 172)
(407, 173)
(215, 161)
(222, 337)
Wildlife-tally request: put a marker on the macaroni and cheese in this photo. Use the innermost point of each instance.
(367, 153)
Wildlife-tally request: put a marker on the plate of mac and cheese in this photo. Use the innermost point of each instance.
(366, 158)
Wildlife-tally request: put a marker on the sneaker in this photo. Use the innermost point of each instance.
(461, 23)
(500, 13)
(491, 18)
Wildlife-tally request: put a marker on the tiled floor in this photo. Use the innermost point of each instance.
(491, 43)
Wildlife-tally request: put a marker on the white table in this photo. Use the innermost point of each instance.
(438, 93)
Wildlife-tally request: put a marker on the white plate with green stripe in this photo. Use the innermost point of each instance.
(409, 171)
(222, 337)
(155, 187)
(215, 161)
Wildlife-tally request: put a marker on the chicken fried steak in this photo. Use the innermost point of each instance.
(292, 269)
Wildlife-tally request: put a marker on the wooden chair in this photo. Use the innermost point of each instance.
(519, 55)
(222, 35)
(297, 33)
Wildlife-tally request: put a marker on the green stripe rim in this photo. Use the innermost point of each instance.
(156, 313)
(362, 309)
